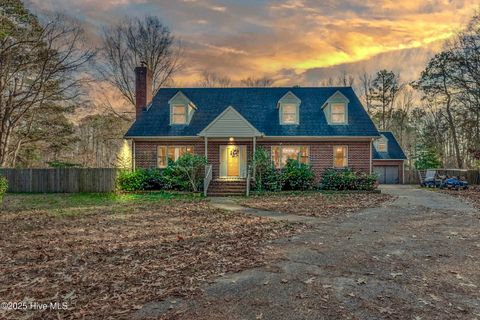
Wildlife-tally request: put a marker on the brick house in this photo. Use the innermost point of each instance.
(323, 126)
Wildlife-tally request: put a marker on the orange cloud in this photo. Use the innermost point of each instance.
(244, 38)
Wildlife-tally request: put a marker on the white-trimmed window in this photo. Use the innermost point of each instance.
(338, 113)
(164, 153)
(382, 146)
(340, 156)
(289, 114)
(179, 114)
(280, 154)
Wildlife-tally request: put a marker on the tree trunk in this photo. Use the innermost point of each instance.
(453, 130)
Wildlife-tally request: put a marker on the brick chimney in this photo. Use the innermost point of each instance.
(143, 88)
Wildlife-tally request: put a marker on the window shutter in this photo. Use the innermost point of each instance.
(243, 161)
(223, 161)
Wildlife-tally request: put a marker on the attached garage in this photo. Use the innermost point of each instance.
(388, 158)
(388, 174)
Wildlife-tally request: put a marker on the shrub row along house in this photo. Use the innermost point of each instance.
(323, 126)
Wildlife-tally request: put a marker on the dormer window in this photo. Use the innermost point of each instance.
(381, 144)
(289, 106)
(289, 114)
(181, 109)
(179, 115)
(338, 113)
(382, 147)
(336, 109)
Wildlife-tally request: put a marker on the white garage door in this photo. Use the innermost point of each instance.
(387, 174)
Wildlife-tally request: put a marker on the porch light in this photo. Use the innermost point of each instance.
(230, 139)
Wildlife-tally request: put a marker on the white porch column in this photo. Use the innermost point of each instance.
(253, 154)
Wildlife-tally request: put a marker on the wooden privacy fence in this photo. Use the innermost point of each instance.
(472, 176)
(61, 180)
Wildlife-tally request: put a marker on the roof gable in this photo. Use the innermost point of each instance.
(289, 98)
(230, 123)
(336, 97)
(394, 150)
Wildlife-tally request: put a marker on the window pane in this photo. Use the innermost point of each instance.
(161, 156)
(281, 154)
(175, 152)
(338, 118)
(382, 147)
(289, 108)
(179, 118)
(338, 108)
(289, 118)
(289, 153)
(338, 113)
(178, 110)
(179, 115)
(340, 156)
(171, 153)
(304, 153)
(289, 113)
(276, 156)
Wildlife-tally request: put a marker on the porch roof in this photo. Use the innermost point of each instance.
(230, 123)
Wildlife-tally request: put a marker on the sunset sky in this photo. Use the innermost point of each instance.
(292, 41)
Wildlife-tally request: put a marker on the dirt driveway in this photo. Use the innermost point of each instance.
(414, 258)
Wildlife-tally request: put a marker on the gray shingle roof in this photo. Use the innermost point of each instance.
(259, 107)
(394, 150)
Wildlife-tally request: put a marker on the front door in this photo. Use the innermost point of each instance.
(233, 161)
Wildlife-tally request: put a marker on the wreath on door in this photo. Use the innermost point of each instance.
(234, 153)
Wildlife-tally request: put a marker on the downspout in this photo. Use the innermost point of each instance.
(133, 155)
(371, 156)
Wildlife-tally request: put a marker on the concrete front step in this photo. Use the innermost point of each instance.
(225, 194)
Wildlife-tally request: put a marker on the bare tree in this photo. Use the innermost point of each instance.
(213, 80)
(40, 65)
(132, 41)
(345, 79)
(256, 82)
(366, 85)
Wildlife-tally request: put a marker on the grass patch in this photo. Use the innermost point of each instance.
(71, 204)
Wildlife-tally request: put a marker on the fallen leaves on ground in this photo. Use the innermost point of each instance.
(315, 203)
(472, 195)
(109, 262)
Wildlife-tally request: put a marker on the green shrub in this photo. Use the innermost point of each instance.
(186, 173)
(272, 180)
(297, 176)
(267, 178)
(3, 187)
(132, 180)
(347, 179)
(153, 180)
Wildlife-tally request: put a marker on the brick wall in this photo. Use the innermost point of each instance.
(321, 153)
(146, 151)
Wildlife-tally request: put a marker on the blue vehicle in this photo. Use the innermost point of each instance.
(431, 179)
(453, 183)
